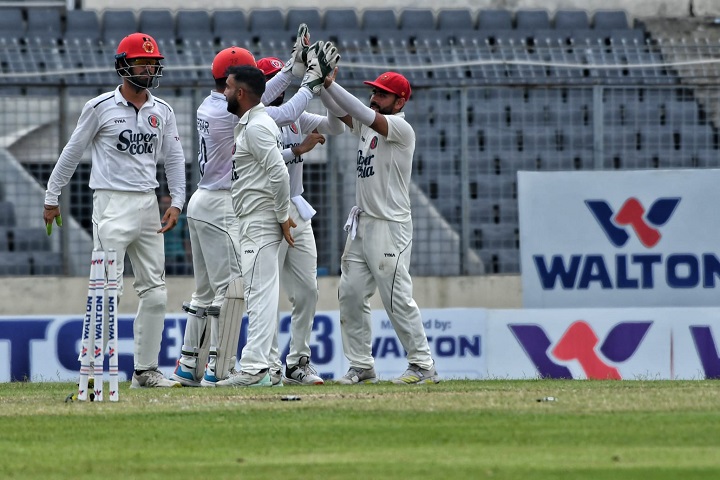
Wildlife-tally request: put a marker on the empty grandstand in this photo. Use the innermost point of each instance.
(494, 92)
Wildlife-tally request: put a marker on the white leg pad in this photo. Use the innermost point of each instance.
(229, 322)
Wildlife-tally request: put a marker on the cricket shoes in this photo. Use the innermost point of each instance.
(415, 375)
(152, 379)
(185, 375)
(358, 375)
(276, 378)
(302, 374)
(245, 379)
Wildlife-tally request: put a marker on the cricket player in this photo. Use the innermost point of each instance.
(379, 243)
(215, 311)
(298, 265)
(130, 131)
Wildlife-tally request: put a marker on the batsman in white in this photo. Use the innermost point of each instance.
(214, 228)
(379, 243)
(298, 265)
(129, 131)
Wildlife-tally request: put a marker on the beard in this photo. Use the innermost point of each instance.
(232, 105)
(384, 111)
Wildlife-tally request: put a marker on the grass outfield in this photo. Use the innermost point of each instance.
(455, 430)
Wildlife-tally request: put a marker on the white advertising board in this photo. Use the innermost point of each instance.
(605, 239)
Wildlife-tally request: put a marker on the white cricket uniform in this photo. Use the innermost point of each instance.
(261, 198)
(126, 146)
(298, 265)
(213, 225)
(214, 228)
(379, 255)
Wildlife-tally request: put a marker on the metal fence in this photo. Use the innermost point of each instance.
(481, 113)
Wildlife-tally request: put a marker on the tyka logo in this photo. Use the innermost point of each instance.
(633, 214)
(579, 343)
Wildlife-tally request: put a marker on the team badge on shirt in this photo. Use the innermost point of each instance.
(294, 128)
(373, 143)
(154, 121)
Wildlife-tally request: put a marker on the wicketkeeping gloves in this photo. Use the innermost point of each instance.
(296, 63)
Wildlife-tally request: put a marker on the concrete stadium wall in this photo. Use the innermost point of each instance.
(66, 295)
(636, 9)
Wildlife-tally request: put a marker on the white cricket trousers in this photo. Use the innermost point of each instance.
(298, 279)
(260, 237)
(128, 222)
(215, 244)
(379, 257)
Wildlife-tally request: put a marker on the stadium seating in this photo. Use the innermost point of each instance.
(82, 26)
(116, 24)
(12, 25)
(158, 23)
(498, 92)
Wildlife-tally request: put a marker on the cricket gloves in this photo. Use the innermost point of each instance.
(297, 63)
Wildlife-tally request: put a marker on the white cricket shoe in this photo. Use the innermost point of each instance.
(245, 379)
(152, 379)
(302, 374)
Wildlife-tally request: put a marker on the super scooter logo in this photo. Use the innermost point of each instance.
(632, 214)
(579, 344)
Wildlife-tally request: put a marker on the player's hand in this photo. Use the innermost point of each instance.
(309, 143)
(170, 219)
(51, 213)
(286, 226)
(330, 77)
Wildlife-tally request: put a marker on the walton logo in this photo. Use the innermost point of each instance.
(633, 214)
(578, 343)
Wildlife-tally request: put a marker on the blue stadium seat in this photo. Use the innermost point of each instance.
(341, 19)
(192, 25)
(455, 19)
(44, 25)
(46, 263)
(27, 239)
(495, 20)
(264, 20)
(12, 25)
(610, 20)
(160, 24)
(14, 263)
(82, 25)
(571, 20)
(230, 28)
(116, 25)
(417, 19)
(312, 17)
(374, 19)
(7, 214)
(532, 20)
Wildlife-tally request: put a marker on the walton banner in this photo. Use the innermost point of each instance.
(606, 239)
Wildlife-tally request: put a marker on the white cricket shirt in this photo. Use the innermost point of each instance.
(215, 126)
(383, 171)
(261, 180)
(126, 147)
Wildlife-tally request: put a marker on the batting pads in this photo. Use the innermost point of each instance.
(230, 319)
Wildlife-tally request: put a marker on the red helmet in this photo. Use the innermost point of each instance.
(138, 45)
(229, 57)
(270, 65)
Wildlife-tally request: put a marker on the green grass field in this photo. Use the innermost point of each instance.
(455, 430)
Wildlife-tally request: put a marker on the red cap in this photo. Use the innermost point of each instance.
(270, 65)
(394, 83)
(228, 57)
